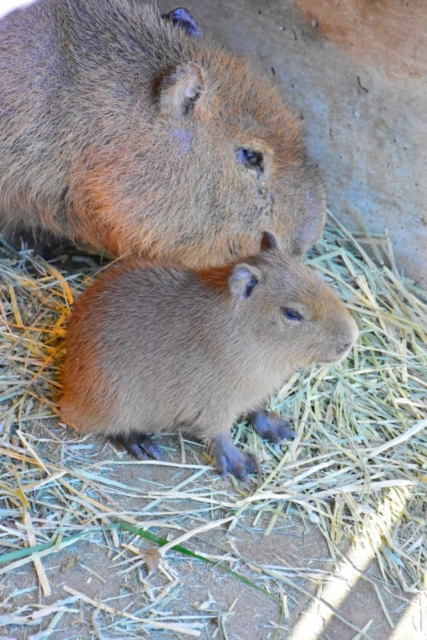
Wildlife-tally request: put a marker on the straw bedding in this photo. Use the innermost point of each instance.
(358, 465)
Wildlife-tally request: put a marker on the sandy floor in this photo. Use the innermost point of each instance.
(201, 593)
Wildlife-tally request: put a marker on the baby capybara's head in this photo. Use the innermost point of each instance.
(291, 309)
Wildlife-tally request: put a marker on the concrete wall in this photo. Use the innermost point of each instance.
(356, 71)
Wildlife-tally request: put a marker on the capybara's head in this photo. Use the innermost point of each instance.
(193, 152)
(291, 309)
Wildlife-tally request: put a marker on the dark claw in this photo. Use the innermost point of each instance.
(230, 460)
(271, 427)
(140, 445)
(136, 451)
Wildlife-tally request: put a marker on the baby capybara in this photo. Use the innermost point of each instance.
(124, 130)
(154, 347)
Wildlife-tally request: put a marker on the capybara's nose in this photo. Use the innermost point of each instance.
(349, 336)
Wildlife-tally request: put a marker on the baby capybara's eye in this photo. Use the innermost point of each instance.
(251, 158)
(292, 314)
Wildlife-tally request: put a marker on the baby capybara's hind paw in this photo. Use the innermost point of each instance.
(139, 445)
(271, 427)
(230, 460)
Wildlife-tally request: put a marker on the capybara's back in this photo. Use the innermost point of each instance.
(122, 129)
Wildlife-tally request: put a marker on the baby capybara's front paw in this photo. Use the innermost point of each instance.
(271, 427)
(230, 460)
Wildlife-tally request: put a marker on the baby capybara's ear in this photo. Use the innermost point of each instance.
(180, 90)
(243, 280)
(182, 18)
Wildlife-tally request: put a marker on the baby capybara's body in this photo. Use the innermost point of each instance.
(123, 130)
(162, 347)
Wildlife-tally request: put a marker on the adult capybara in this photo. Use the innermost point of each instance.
(154, 347)
(123, 130)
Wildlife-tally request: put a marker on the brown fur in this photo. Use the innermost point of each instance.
(120, 131)
(154, 347)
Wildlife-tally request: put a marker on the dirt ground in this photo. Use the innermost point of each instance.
(223, 606)
(237, 610)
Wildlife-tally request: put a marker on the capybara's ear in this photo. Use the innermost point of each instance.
(183, 18)
(243, 280)
(181, 90)
(269, 242)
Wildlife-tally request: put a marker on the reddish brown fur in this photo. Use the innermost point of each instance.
(155, 346)
(131, 141)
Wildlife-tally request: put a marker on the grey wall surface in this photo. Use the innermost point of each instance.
(356, 71)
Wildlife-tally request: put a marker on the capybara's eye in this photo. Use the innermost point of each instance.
(252, 158)
(292, 314)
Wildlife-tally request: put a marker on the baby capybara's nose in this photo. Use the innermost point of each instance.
(351, 335)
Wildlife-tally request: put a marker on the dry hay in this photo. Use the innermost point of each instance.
(358, 463)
